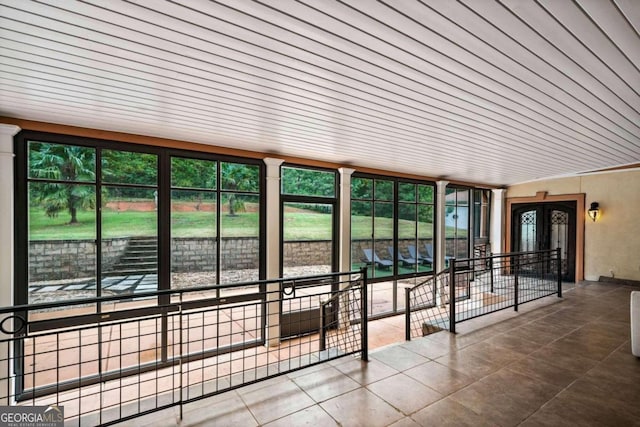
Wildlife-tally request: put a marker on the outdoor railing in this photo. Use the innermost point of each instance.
(162, 349)
(480, 286)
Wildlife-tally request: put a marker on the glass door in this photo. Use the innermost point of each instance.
(545, 226)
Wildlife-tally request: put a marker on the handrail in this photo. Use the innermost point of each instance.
(167, 343)
(501, 281)
(161, 292)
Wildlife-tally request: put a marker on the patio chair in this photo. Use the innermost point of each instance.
(370, 257)
(417, 255)
(406, 262)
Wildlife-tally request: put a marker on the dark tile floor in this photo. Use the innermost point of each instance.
(555, 363)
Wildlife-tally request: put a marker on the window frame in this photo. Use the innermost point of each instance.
(164, 188)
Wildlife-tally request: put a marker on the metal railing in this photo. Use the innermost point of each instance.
(480, 286)
(156, 350)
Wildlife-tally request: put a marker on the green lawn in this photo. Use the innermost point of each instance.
(299, 225)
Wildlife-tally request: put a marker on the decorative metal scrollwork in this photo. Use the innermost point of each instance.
(559, 217)
(19, 325)
(288, 288)
(528, 218)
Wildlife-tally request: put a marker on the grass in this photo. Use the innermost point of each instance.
(298, 225)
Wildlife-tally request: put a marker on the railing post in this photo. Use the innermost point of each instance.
(559, 261)
(407, 314)
(491, 269)
(516, 268)
(322, 337)
(365, 314)
(452, 295)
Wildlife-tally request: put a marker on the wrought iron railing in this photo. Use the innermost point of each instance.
(161, 349)
(480, 286)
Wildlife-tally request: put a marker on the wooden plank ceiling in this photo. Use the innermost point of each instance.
(494, 92)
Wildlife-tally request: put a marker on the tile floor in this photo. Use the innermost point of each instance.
(555, 363)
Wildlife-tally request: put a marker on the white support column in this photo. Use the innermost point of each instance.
(273, 249)
(344, 241)
(441, 213)
(497, 220)
(6, 213)
(7, 133)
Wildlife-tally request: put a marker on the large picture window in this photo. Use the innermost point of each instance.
(456, 223)
(392, 226)
(308, 221)
(101, 217)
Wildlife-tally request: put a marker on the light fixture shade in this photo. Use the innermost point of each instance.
(594, 211)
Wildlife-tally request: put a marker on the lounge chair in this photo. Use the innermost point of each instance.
(406, 262)
(370, 257)
(417, 255)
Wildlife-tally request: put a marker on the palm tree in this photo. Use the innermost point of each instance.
(69, 165)
(238, 177)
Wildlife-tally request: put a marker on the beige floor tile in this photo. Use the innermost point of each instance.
(361, 408)
(449, 413)
(282, 399)
(398, 357)
(467, 362)
(404, 393)
(325, 384)
(441, 378)
(505, 397)
(366, 372)
(428, 348)
(313, 416)
(540, 370)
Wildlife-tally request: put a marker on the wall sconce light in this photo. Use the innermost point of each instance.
(594, 211)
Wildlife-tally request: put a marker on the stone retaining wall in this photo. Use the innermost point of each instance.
(74, 259)
(70, 259)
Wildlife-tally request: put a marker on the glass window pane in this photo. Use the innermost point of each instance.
(477, 210)
(125, 167)
(308, 232)
(463, 197)
(61, 162)
(361, 188)
(361, 232)
(406, 192)
(240, 177)
(129, 243)
(62, 245)
(406, 220)
(450, 196)
(425, 193)
(193, 239)
(383, 233)
(193, 173)
(407, 230)
(239, 238)
(425, 236)
(307, 182)
(462, 233)
(383, 190)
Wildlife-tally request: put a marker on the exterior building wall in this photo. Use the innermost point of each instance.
(611, 245)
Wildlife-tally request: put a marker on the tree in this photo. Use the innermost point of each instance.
(238, 177)
(308, 182)
(70, 166)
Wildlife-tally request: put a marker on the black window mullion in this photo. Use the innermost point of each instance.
(164, 217)
(98, 240)
(218, 224)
